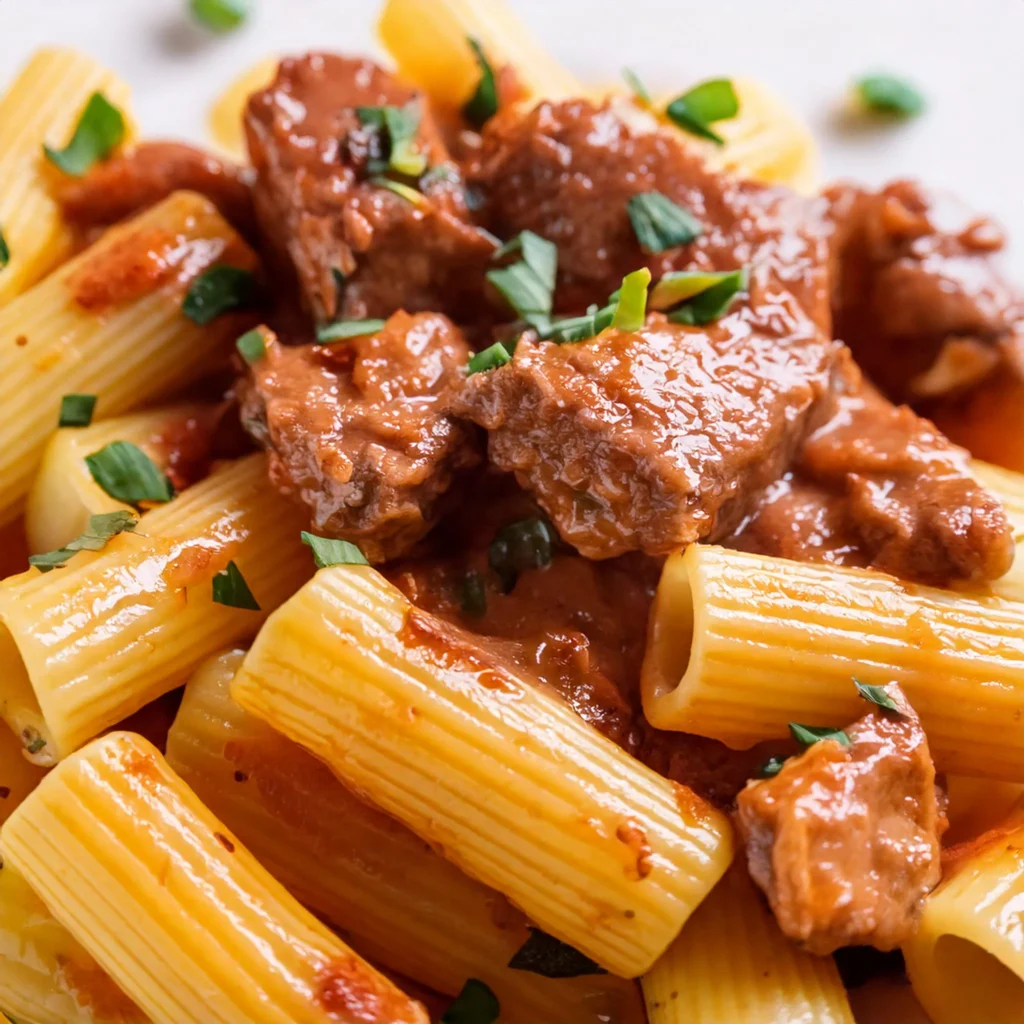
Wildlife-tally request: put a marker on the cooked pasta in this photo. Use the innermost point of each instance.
(740, 645)
(109, 323)
(18, 776)
(41, 105)
(88, 644)
(1008, 486)
(732, 965)
(613, 867)
(224, 119)
(401, 904)
(179, 913)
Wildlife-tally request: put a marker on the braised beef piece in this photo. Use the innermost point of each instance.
(360, 431)
(323, 214)
(567, 170)
(845, 840)
(917, 294)
(148, 173)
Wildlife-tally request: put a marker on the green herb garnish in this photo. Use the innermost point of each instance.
(528, 285)
(397, 127)
(407, 192)
(476, 1004)
(472, 592)
(5, 252)
(219, 15)
(525, 544)
(886, 94)
(703, 295)
(128, 474)
(877, 695)
(771, 767)
(32, 740)
(637, 87)
(100, 529)
(100, 130)
(551, 958)
(76, 410)
(631, 308)
(216, 291)
(251, 346)
(659, 223)
(327, 551)
(808, 735)
(230, 588)
(342, 329)
(489, 359)
(483, 104)
(700, 107)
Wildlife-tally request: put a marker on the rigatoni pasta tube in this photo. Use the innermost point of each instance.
(42, 105)
(109, 323)
(1008, 487)
(46, 977)
(86, 645)
(732, 965)
(18, 776)
(595, 848)
(740, 645)
(64, 493)
(176, 909)
(966, 961)
(401, 904)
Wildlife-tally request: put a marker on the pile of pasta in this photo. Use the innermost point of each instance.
(341, 822)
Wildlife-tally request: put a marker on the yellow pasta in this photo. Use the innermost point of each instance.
(966, 962)
(18, 776)
(1008, 487)
(88, 644)
(64, 494)
(225, 117)
(109, 323)
(46, 977)
(739, 645)
(42, 105)
(595, 848)
(175, 909)
(401, 904)
(732, 965)
(976, 805)
(886, 1000)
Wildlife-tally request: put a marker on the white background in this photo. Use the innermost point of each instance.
(966, 55)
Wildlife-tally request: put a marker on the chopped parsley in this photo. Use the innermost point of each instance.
(700, 107)
(5, 252)
(887, 94)
(808, 735)
(339, 330)
(476, 1004)
(100, 130)
(771, 767)
(76, 410)
(483, 104)
(217, 291)
(525, 544)
(636, 86)
(551, 958)
(230, 588)
(877, 695)
(328, 552)
(128, 474)
(396, 127)
(489, 359)
(219, 15)
(251, 346)
(100, 529)
(661, 224)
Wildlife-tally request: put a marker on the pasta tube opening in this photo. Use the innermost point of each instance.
(979, 985)
(673, 630)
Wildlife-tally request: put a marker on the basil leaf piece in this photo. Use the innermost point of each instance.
(711, 302)
(698, 108)
(475, 1004)
(76, 410)
(551, 958)
(631, 309)
(525, 544)
(216, 291)
(808, 735)
(636, 86)
(342, 329)
(887, 94)
(219, 15)
(99, 132)
(5, 252)
(489, 359)
(251, 346)
(661, 224)
(771, 767)
(472, 592)
(128, 474)
(230, 588)
(100, 529)
(877, 695)
(328, 551)
(483, 104)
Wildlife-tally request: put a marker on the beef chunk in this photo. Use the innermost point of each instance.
(650, 440)
(916, 291)
(150, 172)
(359, 431)
(567, 170)
(845, 840)
(322, 213)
